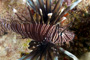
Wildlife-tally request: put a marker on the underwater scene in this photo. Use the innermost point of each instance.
(44, 30)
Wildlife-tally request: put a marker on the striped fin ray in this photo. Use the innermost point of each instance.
(44, 9)
(48, 6)
(30, 20)
(19, 17)
(44, 51)
(56, 10)
(42, 6)
(31, 56)
(66, 10)
(29, 2)
(62, 14)
(34, 5)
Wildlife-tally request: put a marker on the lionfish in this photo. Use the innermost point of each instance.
(45, 30)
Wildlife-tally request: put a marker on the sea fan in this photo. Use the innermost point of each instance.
(45, 30)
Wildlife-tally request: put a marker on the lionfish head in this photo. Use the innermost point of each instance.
(42, 51)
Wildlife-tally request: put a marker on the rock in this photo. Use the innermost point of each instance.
(86, 56)
(3, 52)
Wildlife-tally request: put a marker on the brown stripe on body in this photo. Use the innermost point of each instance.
(19, 29)
(39, 29)
(27, 29)
(42, 30)
(57, 40)
(63, 37)
(36, 36)
(23, 30)
(47, 27)
(36, 31)
(55, 37)
(53, 33)
(12, 27)
(31, 32)
(15, 28)
(50, 33)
